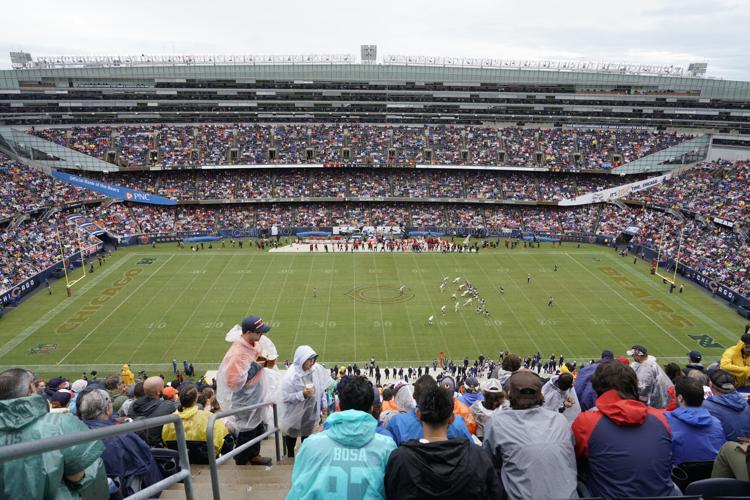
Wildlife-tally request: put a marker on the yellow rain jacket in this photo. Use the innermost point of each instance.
(195, 422)
(734, 362)
(127, 375)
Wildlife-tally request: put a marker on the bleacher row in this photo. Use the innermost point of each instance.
(173, 146)
(714, 189)
(637, 430)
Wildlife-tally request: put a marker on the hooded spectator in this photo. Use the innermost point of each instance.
(347, 460)
(436, 466)
(624, 447)
(584, 391)
(303, 391)
(696, 435)
(531, 447)
(471, 392)
(126, 457)
(127, 375)
(736, 361)
(728, 405)
(493, 398)
(76, 387)
(134, 393)
(510, 364)
(406, 426)
(652, 381)
(25, 417)
(560, 396)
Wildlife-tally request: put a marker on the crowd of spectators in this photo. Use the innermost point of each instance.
(366, 183)
(508, 427)
(710, 249)
(718, 189)
(367, 144)
(23, 190)
(34, 245)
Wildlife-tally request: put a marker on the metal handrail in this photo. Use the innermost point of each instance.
(214, 462)
(37, 447)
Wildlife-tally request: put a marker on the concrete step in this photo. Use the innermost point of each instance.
(241, 481)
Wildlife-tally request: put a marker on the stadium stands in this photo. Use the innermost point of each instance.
(570, 149)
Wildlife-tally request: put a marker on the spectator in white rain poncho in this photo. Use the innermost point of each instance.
(303, 389)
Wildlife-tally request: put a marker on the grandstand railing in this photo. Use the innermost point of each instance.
(23, 450)
(214, 462)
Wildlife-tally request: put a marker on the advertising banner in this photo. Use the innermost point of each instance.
(118, 192)
(614, 193)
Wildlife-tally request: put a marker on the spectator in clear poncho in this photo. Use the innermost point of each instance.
(239, 383)
(302, 393)
(403, 400)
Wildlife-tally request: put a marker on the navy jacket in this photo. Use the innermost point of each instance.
(625, 448)
(584, 391)
(127, 455)
(733, 411)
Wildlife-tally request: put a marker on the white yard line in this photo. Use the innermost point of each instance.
(460, 311)
(354, 302)
(706, 319)
(176, 301)
(328, 307)
(307, 291)
(380, 305)
(59, 308)
(282, 288)
(114, 311)
(223, 308)
(583, 303)
(195, 309)
(126, 329)
(408, 319)
(513, 313)
(629, 303)
(489, 321)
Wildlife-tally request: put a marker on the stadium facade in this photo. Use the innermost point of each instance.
(400, 90)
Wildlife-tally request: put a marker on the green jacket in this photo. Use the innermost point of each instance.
(41, 477)
(118, 399)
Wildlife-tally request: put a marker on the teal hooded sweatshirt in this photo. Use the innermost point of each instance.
(346, 461)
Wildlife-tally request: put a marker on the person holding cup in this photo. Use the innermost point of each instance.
(302, 394)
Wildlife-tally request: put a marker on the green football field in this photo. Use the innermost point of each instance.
(147, 306)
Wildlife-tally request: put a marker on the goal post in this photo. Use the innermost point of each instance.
(69, 282)
(662, 252)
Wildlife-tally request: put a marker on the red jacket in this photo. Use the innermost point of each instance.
(626, 448)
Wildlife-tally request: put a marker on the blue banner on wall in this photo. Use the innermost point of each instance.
(111, 190)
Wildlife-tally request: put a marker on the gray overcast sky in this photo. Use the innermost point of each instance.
(634, 31)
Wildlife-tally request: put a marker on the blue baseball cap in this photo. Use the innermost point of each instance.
(695, 356)
(254, 324)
